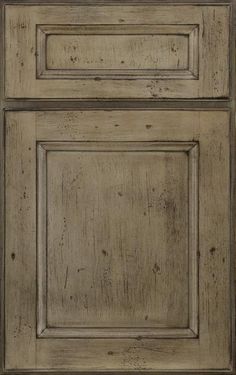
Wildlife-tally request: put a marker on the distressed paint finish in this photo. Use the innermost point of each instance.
(118, 231)
(122, 51)
(93, 133)
(118, 216)
(160, 51)
(20, 258)
(141, 51)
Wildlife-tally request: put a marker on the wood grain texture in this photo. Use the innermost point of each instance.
(208, 79)
(211, 350)
(132, 356)
(20, 258)
(116, 220)
(117, 51)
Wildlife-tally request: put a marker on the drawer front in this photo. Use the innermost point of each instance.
(117, 234)
(124, 52)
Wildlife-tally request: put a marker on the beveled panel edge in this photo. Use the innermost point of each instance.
(117, 333)
(194, 237)
(41, 235)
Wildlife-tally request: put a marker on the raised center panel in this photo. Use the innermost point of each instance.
(118, 51)
(117, 238)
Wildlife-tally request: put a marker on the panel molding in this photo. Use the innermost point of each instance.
(45, 331)
(190, 31)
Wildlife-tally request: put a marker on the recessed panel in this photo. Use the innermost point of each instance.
(117, 51)
(117, 222)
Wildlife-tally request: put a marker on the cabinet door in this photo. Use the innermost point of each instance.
(145, 50)
(118, 241)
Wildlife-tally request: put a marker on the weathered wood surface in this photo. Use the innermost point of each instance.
(143, 51)
(117, 221)
(81, 144)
